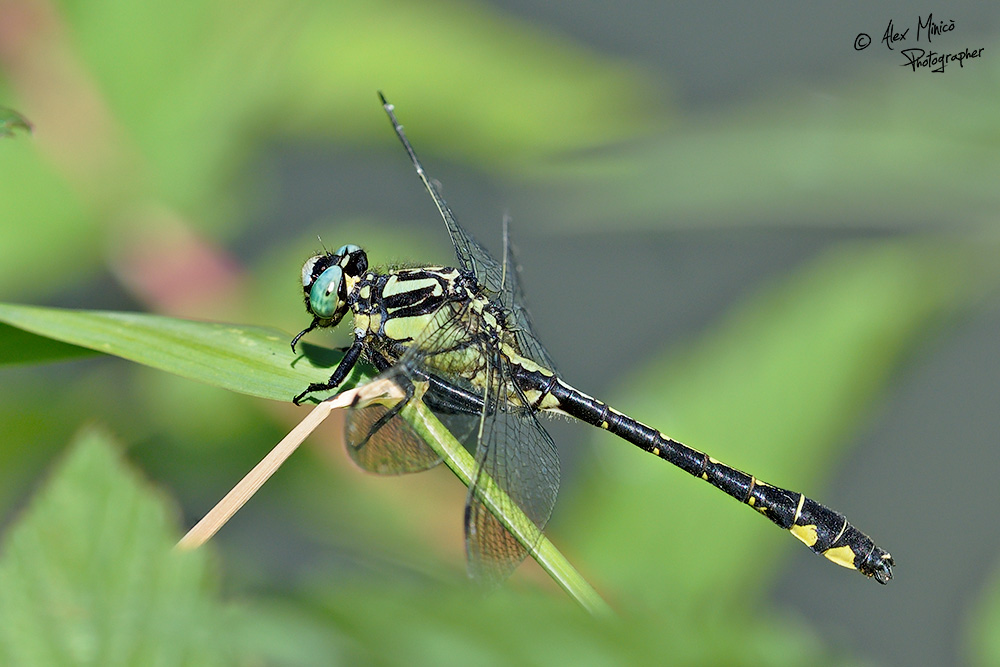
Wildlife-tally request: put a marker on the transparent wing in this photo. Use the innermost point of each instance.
(513, 298)
(466, 384)
(383, 443)
(470, 389)
(472, 257)
(501, 280)
(519, 457)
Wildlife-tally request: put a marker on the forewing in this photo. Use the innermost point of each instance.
(502, 281)
(472, 257)
(513, 299)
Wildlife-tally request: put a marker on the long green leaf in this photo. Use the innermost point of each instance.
(251, 360)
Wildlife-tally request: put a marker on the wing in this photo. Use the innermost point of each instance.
(472, 257)
(381, 442)
(499, 279)
(517, 455)
(520, 322)
(467, 386)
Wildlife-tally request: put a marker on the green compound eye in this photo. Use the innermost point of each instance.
(347, 249)
(324, 297)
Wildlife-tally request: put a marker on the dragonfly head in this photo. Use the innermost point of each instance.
(326, 281)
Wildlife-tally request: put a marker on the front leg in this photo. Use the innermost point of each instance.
(340, 373)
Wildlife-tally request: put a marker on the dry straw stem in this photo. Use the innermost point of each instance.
(452, 453)
(249, 485)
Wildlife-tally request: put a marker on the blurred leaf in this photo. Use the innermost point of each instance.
(982, 646)
(439, 624)
(11, 120)
(251, 360)
(46, 223)
(182, 102)
(855, 157)
(88, 575)
(285, 632)
(475, 81)
(207, 84)
(774, 389)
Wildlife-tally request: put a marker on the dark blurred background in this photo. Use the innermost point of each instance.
(732, 223)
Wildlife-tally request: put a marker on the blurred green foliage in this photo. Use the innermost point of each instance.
(88, 576)
(11, 120)
(145, 117)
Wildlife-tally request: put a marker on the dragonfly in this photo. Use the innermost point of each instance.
(460, 339)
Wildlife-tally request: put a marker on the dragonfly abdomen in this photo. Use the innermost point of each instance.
(820, 528)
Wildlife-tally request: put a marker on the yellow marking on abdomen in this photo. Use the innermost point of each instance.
(843, 556)
(807, 534)
(798, 511)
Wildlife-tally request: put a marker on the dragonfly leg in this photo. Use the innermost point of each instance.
(408, 392)
(340, 373)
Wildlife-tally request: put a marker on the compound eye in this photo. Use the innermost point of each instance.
(324, 295)
(353, 259)
(309, 269)
(347, 249)
(357, 263)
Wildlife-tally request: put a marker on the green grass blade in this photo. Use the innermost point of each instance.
(251, 360)
(460, 461)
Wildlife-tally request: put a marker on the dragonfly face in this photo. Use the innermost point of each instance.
(327, 281)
